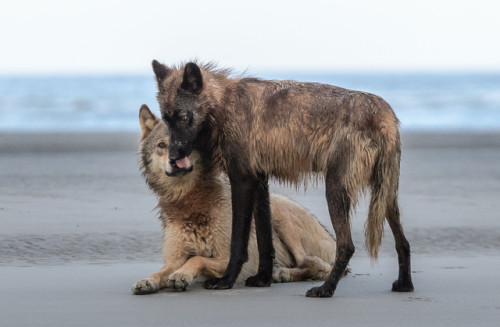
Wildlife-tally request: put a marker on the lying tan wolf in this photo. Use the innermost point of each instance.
(196, 213)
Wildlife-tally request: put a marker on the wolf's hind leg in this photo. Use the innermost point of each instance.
(311, 267)
(339, 206)
(286, 275)
(403, 283)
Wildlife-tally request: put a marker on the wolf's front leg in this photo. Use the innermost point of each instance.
(243, 189)
(153, 283)
(196, 266)
(173, 259)
(264, 232)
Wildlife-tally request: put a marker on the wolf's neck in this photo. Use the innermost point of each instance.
(202, 192)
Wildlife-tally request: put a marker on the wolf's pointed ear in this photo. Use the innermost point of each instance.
(161, 71)
(147, 120)
(192, 80)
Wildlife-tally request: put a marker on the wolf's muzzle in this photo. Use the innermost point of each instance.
(176, 153)
(179, 167)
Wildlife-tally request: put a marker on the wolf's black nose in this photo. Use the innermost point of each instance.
(176, 154)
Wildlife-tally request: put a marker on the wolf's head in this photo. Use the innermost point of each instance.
(183, 109)
(155, 162)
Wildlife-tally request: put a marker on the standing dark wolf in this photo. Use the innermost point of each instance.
(286, 129)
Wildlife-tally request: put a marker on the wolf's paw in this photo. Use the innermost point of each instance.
(320, 291)
(402, 286)
(146, 286)
(262, 279)
(179, 281)
(281, 275)
(218, 284)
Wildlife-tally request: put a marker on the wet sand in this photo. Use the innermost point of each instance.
(78, 229)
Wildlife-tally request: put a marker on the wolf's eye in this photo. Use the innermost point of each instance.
(162, 145)
(184, 118)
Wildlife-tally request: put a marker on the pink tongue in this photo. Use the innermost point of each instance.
(182, 163)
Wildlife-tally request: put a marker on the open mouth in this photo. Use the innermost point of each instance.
(183, 163)
(180, 167)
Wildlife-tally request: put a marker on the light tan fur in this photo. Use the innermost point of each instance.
(196, 212)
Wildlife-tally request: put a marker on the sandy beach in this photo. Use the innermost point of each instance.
(78, 228)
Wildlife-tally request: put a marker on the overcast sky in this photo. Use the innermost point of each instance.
(94, 36)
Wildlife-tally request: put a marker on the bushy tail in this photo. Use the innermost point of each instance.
(384, 184)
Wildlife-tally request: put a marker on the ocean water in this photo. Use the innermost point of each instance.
(424, 101)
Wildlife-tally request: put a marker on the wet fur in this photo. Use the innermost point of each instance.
(256, 129)
(195, 211)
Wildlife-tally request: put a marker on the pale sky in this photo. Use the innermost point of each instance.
(92, 36)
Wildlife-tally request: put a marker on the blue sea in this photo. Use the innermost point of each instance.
(423, 101)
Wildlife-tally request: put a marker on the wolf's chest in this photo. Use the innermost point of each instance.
(197, 233)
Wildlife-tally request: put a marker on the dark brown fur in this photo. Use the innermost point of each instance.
(289, 130)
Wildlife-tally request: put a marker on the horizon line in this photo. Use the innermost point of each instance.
(263, 71)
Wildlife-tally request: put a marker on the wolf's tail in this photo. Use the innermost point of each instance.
(384, 185)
